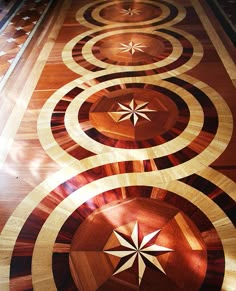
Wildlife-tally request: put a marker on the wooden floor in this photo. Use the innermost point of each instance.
(117, 153)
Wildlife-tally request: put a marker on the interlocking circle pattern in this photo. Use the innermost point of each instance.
(135, 135)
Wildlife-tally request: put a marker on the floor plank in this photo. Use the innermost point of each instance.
(117, 151)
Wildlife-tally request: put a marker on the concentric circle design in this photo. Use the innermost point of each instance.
(165, 52)
(155, 13)
(136, 113)
(135, 137)
(204, 226)
(53, 218)
(132, 49)
(190, 141)
(95, 140)
(156, 234)
(161, 145)
(130, 12)
(184, 126)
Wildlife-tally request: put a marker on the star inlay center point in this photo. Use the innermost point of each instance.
(140, 250)
(133, 111)
(130, 11)
(132, 47)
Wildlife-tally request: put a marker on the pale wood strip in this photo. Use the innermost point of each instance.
(176, 53)
(220, 180)
(74, 128)
(216, 41)
(23, 48)
(164, 14)
(188, 232)
(109, 154)
(16, 221)
(24, 97)
(76, 133)
(96, 15)
(221, 222)
(42, 257)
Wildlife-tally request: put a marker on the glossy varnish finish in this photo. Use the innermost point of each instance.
(118, 166)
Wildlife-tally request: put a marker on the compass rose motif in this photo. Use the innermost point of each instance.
(131, 111)
(138, 250)
(130, 11)
(131, 47)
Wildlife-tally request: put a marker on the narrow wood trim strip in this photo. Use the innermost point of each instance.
(23, 48)
(9, 131)
(216, 41)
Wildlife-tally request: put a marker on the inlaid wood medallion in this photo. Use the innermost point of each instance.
(138, 242)
(132, 49)
(121, 155)
(146, 13)
(130, 11)
(133, 114)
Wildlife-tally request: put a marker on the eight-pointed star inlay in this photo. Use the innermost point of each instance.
(130, 11)
(138, 250)
(131, 47)
(131, 111)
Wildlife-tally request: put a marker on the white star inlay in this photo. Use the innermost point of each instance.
(130, 11)
(131, 47)
(132, 111)
(138, 250)
(26, 17)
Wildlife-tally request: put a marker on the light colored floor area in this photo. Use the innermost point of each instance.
(117, 151)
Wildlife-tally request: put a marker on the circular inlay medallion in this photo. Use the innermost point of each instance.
(133, 114)
(158, 52)
(194, 141)
(119, 12)
(132, 49)
(130, 11)
(138, 242)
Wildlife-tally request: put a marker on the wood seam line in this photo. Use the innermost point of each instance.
(9, 132)
(216, 41)
(23, 48)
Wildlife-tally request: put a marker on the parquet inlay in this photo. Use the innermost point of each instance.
(121, 174)
(15, 36)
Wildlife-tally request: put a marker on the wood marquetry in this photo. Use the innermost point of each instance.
(117, 147)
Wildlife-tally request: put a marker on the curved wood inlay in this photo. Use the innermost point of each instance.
(138, 134)
(92, 15)
(61, 213)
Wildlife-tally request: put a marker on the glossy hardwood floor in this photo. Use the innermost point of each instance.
(117, 154)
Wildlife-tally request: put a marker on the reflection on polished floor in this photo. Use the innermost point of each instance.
(117, 153)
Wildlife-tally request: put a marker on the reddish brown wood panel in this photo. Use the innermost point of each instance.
(117, 150)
